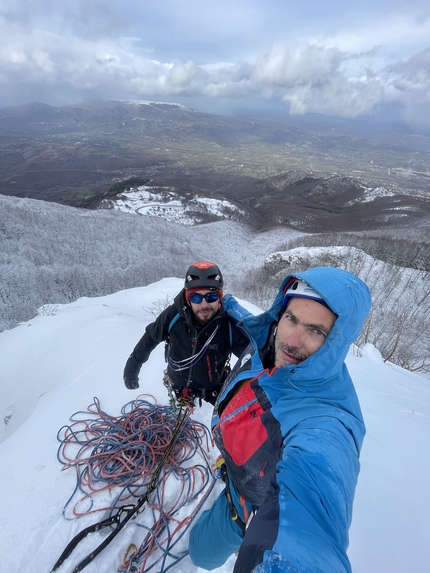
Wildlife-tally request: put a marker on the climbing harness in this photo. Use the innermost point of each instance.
(220, 465)
(248, 513)
(119, 518)
(208, 394)
(189, 394)
(176, 396)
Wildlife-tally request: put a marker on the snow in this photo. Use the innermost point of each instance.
(55, 364)
(168, 205)
(371, 194)
(296, 256)
(154, 102)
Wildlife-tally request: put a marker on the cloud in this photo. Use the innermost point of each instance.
(82, 18)
(281, 66)
(310, 79)
(86, 51)
(398, 35)
(408, 83)
(411, 77)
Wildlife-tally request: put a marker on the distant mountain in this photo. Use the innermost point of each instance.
(277, 170)
(149, 119)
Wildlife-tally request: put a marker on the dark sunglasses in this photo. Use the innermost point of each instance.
(197, 298)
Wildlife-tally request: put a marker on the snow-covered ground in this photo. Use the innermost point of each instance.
(167, 204)
(372, 193)
(54, 366)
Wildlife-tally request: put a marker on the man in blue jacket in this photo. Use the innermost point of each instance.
(289, 427)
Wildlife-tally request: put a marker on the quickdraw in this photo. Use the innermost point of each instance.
(126, 512)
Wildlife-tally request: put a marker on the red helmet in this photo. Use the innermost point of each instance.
(203, 275)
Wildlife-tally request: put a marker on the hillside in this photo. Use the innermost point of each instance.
(52, 253)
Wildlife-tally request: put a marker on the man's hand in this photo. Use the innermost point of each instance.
(131, 384)
(131, 373)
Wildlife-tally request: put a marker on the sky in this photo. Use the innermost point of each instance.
(346, 59)
(56, 364)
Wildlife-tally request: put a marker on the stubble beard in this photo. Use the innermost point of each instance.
(281, 359)
(205, 318)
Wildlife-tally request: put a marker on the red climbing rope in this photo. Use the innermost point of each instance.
(116, 457)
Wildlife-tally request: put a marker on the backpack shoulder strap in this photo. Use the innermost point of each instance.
(173, 321)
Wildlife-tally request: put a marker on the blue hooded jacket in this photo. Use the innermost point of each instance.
(292, 445)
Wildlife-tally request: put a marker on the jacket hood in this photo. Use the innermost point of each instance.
(347, 296)
(179, 302)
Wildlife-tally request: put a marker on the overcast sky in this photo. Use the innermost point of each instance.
(333, 57)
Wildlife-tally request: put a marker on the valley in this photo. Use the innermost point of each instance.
(281, 170)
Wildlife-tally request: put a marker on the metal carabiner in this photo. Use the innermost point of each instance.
(128, 557)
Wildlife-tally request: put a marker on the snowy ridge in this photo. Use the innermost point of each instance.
(54, 365)
(372, 193)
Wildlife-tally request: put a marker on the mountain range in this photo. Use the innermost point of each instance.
(307, 174)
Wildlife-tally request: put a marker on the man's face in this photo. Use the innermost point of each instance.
(204, 311)
(302, 329)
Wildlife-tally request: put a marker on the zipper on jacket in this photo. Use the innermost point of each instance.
(249, 374)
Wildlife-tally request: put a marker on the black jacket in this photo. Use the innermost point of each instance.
(193, 360)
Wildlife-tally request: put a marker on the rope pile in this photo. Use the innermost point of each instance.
(115, 458)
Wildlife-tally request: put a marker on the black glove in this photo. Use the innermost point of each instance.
(131, 384)
(131, 373)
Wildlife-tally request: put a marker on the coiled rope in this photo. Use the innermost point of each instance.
(116, 457)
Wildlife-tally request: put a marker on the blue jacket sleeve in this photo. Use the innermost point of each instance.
(233, 308)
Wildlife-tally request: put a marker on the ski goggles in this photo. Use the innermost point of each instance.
(197, 298)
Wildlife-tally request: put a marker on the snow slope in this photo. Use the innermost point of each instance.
(53, 366)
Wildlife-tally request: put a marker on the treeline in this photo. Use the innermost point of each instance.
(404, 252)
(53, 254)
